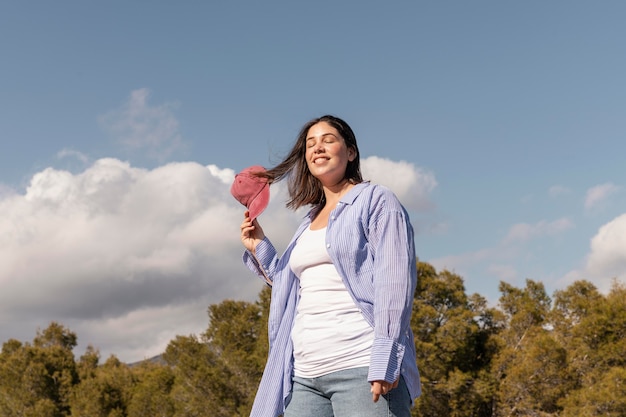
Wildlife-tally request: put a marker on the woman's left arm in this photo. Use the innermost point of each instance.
(395, 278)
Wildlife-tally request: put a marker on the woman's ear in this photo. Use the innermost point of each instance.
(351, 154)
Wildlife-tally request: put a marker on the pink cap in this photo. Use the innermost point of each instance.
(251, 191)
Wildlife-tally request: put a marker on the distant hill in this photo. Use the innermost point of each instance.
(155, 359)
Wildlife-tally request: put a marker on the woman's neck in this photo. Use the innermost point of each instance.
(333, 193)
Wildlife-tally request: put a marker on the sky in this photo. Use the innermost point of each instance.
(500, 125)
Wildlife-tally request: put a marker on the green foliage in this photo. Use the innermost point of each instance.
(221, 370)
(36, 379)
(151, 395)
(104, 393)
(453, 336)
(531, 355)
(605, 397)
(596, 342)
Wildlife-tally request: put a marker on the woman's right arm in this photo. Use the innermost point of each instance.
(260, 254)
(251, 233)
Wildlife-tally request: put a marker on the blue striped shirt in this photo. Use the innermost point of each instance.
(370, 241)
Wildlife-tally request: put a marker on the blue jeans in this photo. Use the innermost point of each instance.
(345, 394)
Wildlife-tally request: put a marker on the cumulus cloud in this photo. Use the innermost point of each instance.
(522, 232)
(599, 194)
(410, 183)
(608, 249)
(6, 191)
(127, 257)
(606, 260)
(139, 126)
(98, 248)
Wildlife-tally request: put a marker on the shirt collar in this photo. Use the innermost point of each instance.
(347, 198)
(350, 196)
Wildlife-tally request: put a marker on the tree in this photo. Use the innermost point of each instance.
(151, 394)
(104, 393)
(532, 365)
(596, 341)
(525, 309)
(221, 369)
(454, 349)
(37, 379)
(606, 397)
(198, 379)
(530, 356)
(87, 366)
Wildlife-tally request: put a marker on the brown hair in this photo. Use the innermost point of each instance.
(304, 188)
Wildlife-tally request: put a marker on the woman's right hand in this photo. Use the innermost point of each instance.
(251, 232)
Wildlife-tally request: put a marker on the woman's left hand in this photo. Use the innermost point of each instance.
(382, 387)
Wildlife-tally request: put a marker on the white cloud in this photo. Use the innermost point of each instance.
(139, 126)
(504, 272)
(72, 153)
(410, 183)
(527, 199)
(599, 194)
(463, 261)
(439, 228)
(506, 260)
(483, 263)
(116, 248)
(558, 190)
(128, 258)
(6, 191)
(524, 231)
(606, 260)
(608, 246)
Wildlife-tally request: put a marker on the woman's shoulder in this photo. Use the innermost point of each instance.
(378, 195)
(371, 187)
(379, 190)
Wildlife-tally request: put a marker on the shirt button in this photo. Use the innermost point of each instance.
(328, 245)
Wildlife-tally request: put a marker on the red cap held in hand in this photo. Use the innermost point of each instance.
(251, 191)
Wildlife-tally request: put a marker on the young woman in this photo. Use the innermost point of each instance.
(341, 344)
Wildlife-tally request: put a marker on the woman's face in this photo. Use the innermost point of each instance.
(327, 155)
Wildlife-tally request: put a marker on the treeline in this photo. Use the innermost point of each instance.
(532, 355)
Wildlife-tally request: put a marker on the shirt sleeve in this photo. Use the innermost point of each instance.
(395, 277)
(263, 262)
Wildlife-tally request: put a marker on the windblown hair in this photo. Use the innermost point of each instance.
(304, 188)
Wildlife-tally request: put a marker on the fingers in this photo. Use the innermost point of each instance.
(246, 220)
(246, 227)
(376, 390)
(382, 388)
(251, 232)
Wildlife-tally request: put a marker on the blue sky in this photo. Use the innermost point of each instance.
(501, 126)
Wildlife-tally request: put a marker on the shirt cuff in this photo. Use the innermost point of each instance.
(386, 360)
(261, 262)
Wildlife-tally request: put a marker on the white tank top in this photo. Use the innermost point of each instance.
(329, 333)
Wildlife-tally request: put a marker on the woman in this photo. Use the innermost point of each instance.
(342, 293)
